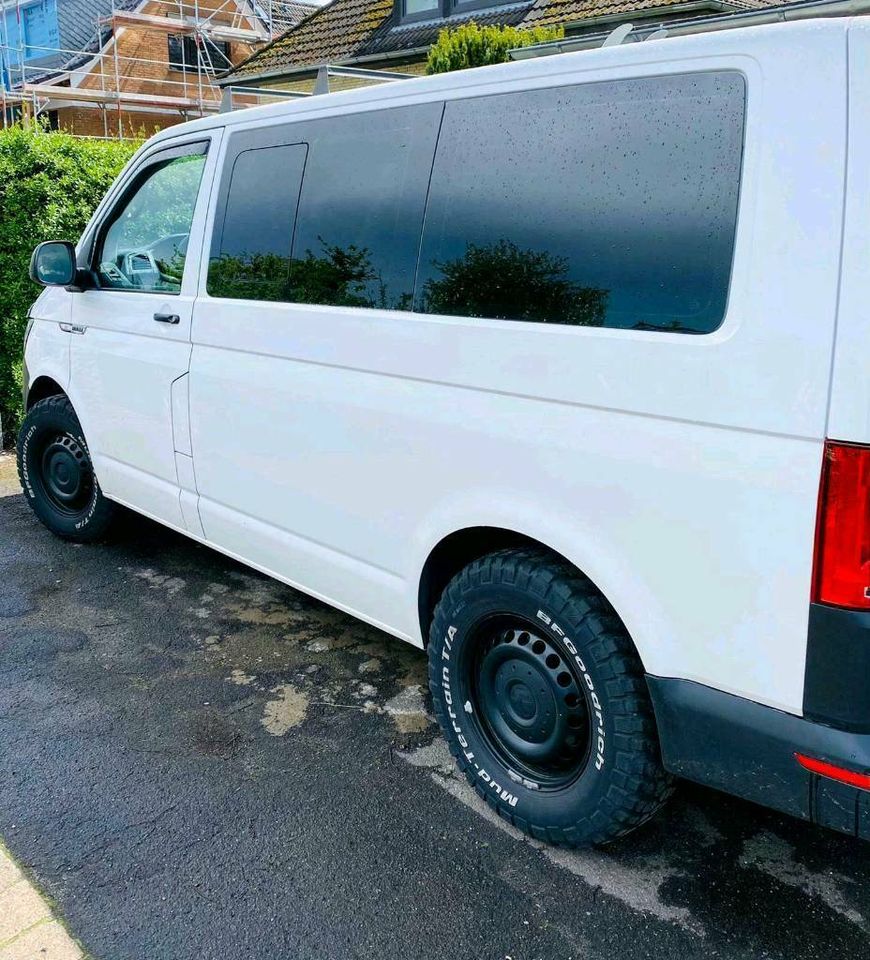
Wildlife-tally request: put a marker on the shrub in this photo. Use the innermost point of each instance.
(474, 46)
(49, 186)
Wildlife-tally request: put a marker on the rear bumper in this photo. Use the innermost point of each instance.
(748, 749)
(837, 681)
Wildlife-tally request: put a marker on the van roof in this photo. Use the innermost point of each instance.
(753, 40)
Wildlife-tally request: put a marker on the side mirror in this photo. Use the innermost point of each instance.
(53, 264)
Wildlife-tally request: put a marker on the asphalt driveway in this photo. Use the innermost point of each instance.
(198, 762)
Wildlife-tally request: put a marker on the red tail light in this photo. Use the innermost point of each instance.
(841, 565)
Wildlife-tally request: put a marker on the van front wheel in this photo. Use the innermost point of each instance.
(543, 701)
(57, 475)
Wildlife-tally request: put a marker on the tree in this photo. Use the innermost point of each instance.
(503, 282)
(474, 46)
(340, 277)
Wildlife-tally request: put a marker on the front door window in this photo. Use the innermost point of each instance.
(145, 244)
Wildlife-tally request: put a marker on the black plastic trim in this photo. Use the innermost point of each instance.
(837, 679)
(748, 749)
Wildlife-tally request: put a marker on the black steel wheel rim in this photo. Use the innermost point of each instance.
(65, 473)
(529, 701)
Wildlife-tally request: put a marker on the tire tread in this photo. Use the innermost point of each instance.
(59, 406)
(643, 786)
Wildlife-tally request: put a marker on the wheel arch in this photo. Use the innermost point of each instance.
(52, 382)
(43, 387)
(461, 547)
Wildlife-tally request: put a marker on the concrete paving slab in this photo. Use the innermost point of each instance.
(27, 928)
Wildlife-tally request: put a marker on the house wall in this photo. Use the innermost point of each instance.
(31, 39)
(89, 122)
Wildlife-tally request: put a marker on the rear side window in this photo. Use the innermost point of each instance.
(351, 235)
(609, 204)
(250, 257)
(361, 210)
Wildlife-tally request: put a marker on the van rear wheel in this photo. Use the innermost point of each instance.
(543, 701)
(57, 475)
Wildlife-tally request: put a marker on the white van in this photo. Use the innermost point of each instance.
(540, 366)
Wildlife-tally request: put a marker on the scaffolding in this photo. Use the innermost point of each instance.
(117, 73)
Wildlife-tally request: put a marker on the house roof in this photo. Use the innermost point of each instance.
(348, 30)
(291, 12)
(80, 18)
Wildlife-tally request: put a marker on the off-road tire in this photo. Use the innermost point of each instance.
(622, 782)
(52, 425)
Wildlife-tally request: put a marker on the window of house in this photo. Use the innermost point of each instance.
(143, 244)
(418, 8)
(185, 53)
(413, 10)
(609, 204)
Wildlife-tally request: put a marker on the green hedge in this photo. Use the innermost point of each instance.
(49, 186)
(474, 46)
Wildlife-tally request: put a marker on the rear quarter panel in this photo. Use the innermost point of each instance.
(850, 383)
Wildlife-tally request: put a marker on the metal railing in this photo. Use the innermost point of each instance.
(238, 96)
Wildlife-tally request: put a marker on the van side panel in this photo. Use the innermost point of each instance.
(700, 537)
(679, 472)
(849, 415)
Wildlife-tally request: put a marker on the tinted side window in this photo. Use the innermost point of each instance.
(361, 210)
(609, 204)
(250, 256)
(352, 236)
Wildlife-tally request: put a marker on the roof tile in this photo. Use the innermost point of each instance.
(346, 29)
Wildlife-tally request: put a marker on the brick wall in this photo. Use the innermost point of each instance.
(96, 122)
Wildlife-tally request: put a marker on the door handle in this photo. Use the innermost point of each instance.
(167, 318)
